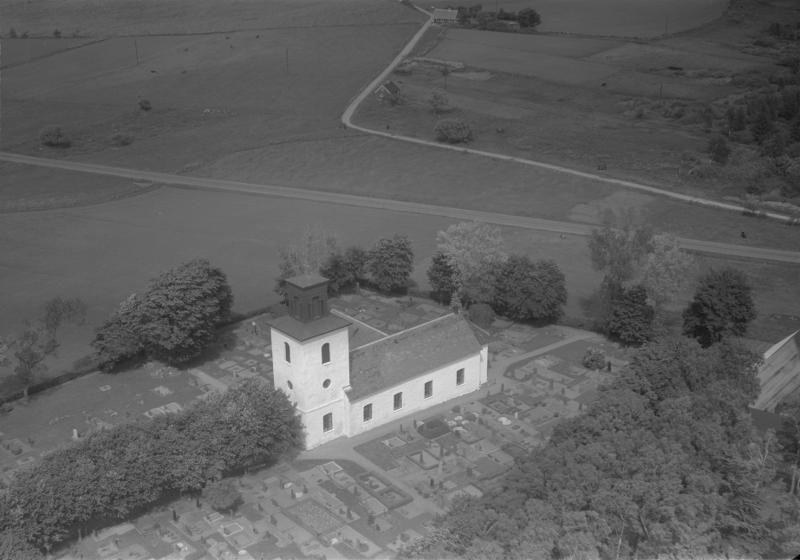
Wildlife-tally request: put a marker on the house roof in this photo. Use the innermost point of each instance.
(298, 330)
(390, 86)
(444, 13)
(408, 354)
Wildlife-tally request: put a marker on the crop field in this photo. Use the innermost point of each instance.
(614, 18)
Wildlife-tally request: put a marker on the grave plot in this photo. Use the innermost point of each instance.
(423, 459)
(314, 517)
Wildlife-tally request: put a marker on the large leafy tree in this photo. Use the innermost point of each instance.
(345, 271)
(667, 270)
(619, 247)
(442, 276)
(117, 340)
(527, 290)
(174, 320)
(391, 262)
(659, 466)
(27, 351)
(181, 310)
(475, 251)
(631, 316)
(722, 306)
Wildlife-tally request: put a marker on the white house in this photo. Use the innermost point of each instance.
(341, 391)
(443, 16)
(779, 373)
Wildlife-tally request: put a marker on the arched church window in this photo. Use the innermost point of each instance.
(287, 351)
(326, 353)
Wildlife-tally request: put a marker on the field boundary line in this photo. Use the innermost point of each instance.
(347, 120)
(361, 201)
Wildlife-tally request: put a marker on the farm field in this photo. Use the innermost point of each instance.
(619, 18)
(584, 102)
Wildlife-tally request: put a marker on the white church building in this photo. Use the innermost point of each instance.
(344, 391)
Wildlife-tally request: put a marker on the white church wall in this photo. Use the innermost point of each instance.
(445, 387)
(306, 372)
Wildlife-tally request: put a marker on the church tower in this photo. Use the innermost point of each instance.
(311, 359)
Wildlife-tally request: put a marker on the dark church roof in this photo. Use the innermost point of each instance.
(409, 354)
(306, 331)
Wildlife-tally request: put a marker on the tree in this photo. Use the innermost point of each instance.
(619, 247)
(476, 252)
(442, 276)
(762, 127)
(438, 101)
(391, 262)
(789, 439)
(631, 318)
(117, 340)
(179, 313)
(308, 257)
(666, 270)
(344, 270)
(222, 495)
(718, 149)
(722, 306)
(27, 351)
(527, 290)
(528, 17)
(452, 131)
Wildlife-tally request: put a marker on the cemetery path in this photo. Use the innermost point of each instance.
(498, 367)
(570, 228)
(342, 448)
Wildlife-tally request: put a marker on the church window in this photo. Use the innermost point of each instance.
(398, 401)
(460, 377)
(326, 353)
(326, 383)
(367, 412)
(287, 352)
(327, 422)
(289, 384)
(428, 389)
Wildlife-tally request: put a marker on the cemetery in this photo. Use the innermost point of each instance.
(387, 490)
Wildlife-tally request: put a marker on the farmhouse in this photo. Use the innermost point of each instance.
(340, 391)
(445, 17)
(779, 373)
(387, 90)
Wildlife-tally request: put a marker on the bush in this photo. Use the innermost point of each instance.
(57, 33)
(595, 358)
(718, 149)
(120, 139)
(438, 102)
(453, 131)
(145, 105)
(54, 137)
(529, 18)
(481, 314)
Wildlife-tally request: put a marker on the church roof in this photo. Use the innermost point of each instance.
(409, 354)
(306, 331)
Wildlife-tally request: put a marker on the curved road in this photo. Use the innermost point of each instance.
(182, 181)
(347, 120)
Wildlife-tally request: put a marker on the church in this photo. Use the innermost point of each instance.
(343, 391)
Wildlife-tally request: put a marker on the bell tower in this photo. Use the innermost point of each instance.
(311, 359)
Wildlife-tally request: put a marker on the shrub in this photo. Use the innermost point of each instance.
(120, 139)
(481, 314)
(145, 105)
(718, 149)
(438, 102)
(528, 18)
(594, 358)
(54, 137)
(453, 131)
